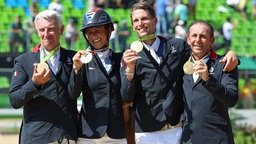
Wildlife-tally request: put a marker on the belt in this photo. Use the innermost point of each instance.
(169, 126)
(64, 140)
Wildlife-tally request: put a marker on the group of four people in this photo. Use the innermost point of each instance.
(165, 100)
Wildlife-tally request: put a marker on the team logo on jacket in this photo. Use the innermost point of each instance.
(173, 49)
(211, 70)
(69, 61)
(91, 68)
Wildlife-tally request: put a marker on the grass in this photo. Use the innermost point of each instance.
(14, 129)
(241, 137)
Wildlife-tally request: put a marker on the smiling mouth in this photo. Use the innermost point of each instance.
(48, 39)
(196, 46)
(143, 32)
(95, 41)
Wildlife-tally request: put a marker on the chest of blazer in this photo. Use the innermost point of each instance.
(206, 107)
(49, 111)
(101, 110)
(156, 89)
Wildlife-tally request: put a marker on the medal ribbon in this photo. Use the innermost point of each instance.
(96, 50)
(192, 60)
(53, 52)
(148, 37)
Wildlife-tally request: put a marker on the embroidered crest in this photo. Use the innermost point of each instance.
(211, 70)
(173, 49)
(69, 61)
(91, 68)
(16, 73)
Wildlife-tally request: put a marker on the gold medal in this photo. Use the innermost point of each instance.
(137, 46)
(87, 58)
(42, 66)
(188, 67)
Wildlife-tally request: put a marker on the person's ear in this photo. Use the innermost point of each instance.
(61, 29)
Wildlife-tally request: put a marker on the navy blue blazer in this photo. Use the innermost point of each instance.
(48, 110)
(207, 103)
(156, 90)
(101, 111)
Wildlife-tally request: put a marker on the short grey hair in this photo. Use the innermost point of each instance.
(49, 15)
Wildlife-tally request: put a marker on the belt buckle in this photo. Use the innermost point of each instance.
(169, 126)
(166, 126)
(64, 140)
(61, 139)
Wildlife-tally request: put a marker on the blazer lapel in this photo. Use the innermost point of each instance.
(189, 79)
(113, 61)
(166, 51)
(61, 60)
(64, 59)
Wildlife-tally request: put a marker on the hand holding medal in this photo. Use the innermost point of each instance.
(42, 66)
(86, 58)
(41, 73)
(137, 46)
(188, 67)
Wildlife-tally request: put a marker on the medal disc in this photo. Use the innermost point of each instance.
(87, 58)
(188, 67)
(137, 46)
(42, 66)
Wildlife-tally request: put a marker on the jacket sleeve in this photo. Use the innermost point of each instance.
(75, 84)
(127, 86)
(226, 88)
(22, 88)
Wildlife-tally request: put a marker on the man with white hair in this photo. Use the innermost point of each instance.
(40, 85)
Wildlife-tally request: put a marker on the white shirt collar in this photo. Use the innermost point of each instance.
(104, 57)
(104, 54)
(54, 61)
(205, 60)
(57, 55)
(154, 46)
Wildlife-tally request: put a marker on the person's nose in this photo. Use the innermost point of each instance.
(140, 22)
(198, 38)
(46, 32)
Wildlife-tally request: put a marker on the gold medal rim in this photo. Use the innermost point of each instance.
(188, 67)
(41, 66)
(86, 59)
(137, 46)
